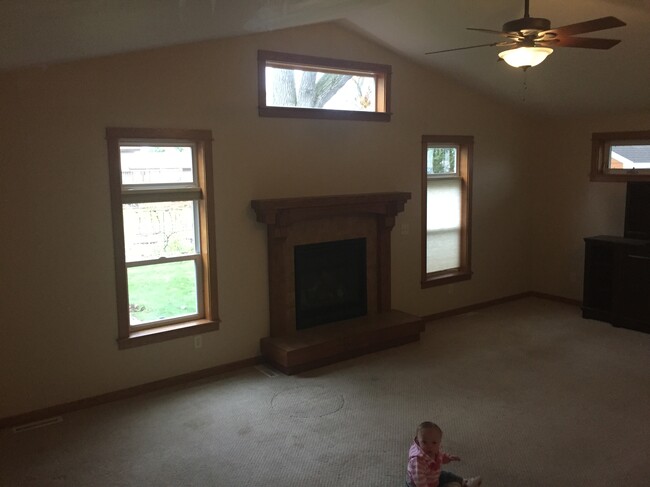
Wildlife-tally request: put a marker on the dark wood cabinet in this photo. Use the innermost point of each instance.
(617, 281)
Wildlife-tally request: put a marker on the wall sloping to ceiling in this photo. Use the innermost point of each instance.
(58, 300)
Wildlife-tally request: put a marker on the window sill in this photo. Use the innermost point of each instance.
(620, 178)
(445, 277)
(319, 113)
(169, 332)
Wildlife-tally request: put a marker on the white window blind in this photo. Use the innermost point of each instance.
(443, 224)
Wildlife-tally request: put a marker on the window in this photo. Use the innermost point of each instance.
(620, 156)
(446, 197)
(165, 259)
(292, 85)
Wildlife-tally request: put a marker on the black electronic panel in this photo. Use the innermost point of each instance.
(637, 210)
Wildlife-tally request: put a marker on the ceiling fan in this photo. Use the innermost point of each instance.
(532, 39)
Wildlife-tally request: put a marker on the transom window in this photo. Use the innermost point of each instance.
(446, 182)
(165, 269)
(292, 85)
(621, 156)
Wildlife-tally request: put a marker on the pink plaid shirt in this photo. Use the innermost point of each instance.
(422, 469)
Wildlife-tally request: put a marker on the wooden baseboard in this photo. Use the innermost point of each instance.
(559, 299)
(474, 307)
(59, 409)
(493, 302)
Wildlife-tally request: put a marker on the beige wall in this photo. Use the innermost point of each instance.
(57, 305)
(567, 206)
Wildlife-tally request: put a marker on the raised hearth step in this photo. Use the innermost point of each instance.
(333, 342)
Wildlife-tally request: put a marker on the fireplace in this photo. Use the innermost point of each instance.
(312, 321)
(330, 281)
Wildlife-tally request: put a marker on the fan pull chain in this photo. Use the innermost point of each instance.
(525, 90)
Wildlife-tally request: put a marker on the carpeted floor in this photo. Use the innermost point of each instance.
(527, 394)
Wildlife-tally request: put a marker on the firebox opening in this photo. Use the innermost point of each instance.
(330, 282)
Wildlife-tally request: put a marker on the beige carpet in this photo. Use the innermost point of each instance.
(527, 393)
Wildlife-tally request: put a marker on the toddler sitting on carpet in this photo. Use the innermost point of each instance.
(424, 467)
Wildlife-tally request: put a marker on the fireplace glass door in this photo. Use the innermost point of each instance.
(330, 282)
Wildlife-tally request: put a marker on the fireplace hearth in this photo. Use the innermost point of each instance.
(334, 308)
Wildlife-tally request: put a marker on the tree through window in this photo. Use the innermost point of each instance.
(309, 87)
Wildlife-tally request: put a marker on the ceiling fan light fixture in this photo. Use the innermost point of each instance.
(525, 57)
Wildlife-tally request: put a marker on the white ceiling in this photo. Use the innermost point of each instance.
(571, 80)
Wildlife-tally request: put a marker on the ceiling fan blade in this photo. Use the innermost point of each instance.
(584, 42)
(588, 26)
(496, 32)
(506, 43)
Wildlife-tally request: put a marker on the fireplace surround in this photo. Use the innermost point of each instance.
(296, 222)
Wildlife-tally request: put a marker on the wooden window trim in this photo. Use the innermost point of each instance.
(599, 156)
(465, 145)
(381, 73)
(202, 139)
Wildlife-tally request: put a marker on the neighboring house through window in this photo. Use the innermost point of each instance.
(163, 231)
(620, 156)
(446, 213)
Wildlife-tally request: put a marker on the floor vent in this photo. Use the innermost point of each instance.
(267, 371)
(38, 424)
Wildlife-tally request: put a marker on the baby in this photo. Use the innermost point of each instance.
(426, 459)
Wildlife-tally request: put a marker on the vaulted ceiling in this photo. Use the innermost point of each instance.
(571, 80)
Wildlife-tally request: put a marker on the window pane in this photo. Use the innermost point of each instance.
(162, 291)
(315, 89)
(156, 164)
(441, 160)
(630, 157)
(443, 224)
(161, 229)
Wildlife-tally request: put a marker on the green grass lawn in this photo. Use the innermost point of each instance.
(162, 290)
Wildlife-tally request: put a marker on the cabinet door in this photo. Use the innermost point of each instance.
(632, 290)
(597, 292)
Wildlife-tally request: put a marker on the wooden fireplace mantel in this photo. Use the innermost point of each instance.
(285, 211)
(298, 221)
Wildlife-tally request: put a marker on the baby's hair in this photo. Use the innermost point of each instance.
(425, 425)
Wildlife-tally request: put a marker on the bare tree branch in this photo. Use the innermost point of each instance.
(327, 86)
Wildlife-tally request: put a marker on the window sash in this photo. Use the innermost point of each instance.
(198, 270)
(161, 143)
(160, 193)
(198, 244)
(295, 70)
(446, 174)
(609, 149)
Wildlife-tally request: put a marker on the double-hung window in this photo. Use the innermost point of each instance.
(165, 262)
(446, 197)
